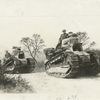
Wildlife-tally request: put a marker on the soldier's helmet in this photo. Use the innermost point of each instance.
(64, 30)
(70, 34)
(74, 35)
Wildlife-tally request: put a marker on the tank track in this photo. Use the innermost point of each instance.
(70, 63)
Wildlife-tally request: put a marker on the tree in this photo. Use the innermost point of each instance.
(85, 40)
(33, 45)
(37, 44)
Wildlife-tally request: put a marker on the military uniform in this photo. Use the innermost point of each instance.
(72, 43)
(21, 55)
(62, 37)
(76, 45)
(7, 59)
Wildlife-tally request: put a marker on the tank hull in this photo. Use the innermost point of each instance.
(70, 64)
(26, 65)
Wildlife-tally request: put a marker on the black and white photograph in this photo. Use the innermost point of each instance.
(50, 49)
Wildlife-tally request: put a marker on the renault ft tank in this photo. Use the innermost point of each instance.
(18, 63)
(67, 63)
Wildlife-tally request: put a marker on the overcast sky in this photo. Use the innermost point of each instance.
(21, 18)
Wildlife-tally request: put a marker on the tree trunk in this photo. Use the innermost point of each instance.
(32, 55)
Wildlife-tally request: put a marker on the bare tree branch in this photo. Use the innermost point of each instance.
(84, 39)
(33, 44)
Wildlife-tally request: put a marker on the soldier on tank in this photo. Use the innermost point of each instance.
(66, 43)
(63, 36)
(7, 58)
(21, 54)
(72, 43)
(77, 46)
(7, 55)
(18, 53)
(70, 34)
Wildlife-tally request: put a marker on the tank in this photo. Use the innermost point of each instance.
(18, 64)
(65, 63)
(26, 65)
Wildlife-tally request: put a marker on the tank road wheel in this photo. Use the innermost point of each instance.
(68, 68)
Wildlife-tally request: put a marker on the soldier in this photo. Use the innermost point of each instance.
(70, 34)
(7, 55)
(7, 58)
(77, 46)
(18, 53)
(66, 42)
(63, 36)
(21, 55)
(72, 42)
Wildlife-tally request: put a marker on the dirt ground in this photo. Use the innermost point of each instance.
(86, 88)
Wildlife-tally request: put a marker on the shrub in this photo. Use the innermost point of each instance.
(14, 84)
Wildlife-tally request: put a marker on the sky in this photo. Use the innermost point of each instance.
(22, 18)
